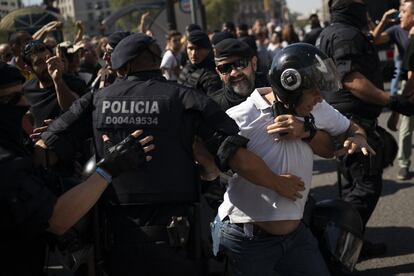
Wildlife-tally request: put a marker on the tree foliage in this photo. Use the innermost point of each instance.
(131, 21)
(219, 11)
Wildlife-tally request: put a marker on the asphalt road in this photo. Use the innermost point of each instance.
(392, 221)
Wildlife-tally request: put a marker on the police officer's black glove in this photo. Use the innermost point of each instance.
(125, 156)
(401, 104)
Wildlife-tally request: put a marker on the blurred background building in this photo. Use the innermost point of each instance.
(250, 10)
(7, 6)
(90, 12)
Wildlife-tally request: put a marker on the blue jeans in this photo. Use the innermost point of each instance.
(263, 254)
(394, 86)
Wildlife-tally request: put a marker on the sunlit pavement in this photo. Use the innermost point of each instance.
(392, 221)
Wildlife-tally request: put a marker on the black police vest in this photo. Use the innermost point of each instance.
(190, 76)
(363, 58)
(155, 107)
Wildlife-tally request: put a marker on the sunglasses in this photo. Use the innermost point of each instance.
(11, 99)
(228, 67)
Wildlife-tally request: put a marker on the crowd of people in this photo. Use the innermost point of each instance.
(116, 144)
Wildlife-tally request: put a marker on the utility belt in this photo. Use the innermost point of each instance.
(176, 233)
(174, 227)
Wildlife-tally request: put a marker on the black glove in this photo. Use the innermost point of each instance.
(125, 156)
(401, 104)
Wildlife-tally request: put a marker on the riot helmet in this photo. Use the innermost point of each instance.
(298, 67)
(338, 227)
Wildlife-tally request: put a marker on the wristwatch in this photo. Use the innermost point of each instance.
(309, 126)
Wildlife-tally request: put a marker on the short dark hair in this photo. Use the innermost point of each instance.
(33, 47)
(172, 33)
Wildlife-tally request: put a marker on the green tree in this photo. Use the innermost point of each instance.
(131, 21)
(219, 11)
(128, 22)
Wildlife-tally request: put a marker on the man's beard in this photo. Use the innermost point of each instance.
(243, 87)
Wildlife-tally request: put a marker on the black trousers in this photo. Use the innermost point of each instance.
(362, 178)
(132, 252)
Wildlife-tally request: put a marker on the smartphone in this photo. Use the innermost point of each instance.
(396, 16)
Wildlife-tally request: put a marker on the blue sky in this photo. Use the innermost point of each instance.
(32, 2)
(302, 6)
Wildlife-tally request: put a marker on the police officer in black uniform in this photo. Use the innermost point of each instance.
(150, 215)
(236, 65)
(315, 30)
(199, 72)
(30, 200)
(362, 100)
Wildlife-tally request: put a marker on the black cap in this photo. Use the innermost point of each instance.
(199, 39)
(232, 47)
(116, 37)
(219, 36)
(192, 27)
(249, 40)
(10, 75)
(129, 48)
(313, 15)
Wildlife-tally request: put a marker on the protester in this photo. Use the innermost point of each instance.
(170, 64)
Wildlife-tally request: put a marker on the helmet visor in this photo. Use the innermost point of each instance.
(322, 75)
(344, 245)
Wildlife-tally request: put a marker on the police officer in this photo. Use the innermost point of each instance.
(139, 206)
(315, 29)
(236, 65)
(30, 205)
(199, 72)
(362, 100)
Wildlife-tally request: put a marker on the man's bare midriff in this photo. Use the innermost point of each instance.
(282, 227)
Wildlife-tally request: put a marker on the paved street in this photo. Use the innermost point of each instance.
(392, 221)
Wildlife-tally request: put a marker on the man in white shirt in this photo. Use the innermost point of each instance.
(170, 64)
(260, 230)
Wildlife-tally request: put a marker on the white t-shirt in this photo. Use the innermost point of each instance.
(246, 202)
(168, 64)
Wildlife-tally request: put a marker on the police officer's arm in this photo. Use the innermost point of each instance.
(350, 63)
(128, 155)
(66, 133)
(231, 152)
(378, 35)
(75, 203)
(364, 89)
(254, 169)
